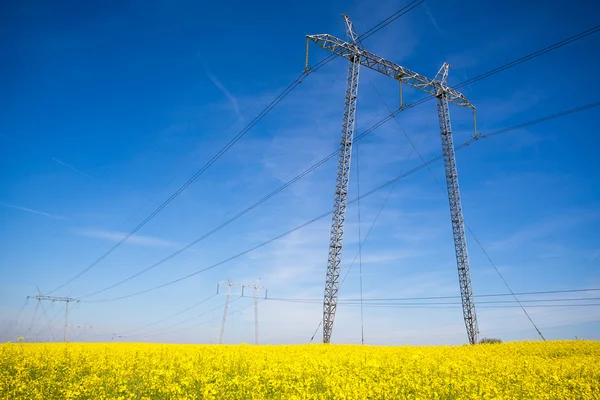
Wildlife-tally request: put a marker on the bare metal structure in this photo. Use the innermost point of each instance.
(67, 300)
(356, 55)
(229, 286)
(256, 287)
(340, 198)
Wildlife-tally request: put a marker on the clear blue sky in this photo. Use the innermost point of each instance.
(108, 107)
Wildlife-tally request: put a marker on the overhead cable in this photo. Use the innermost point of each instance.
(376, 189)
(230, 144)
(357, 138)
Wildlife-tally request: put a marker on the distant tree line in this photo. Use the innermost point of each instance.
(489, 341)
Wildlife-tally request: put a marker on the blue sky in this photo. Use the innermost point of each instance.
(109, 107)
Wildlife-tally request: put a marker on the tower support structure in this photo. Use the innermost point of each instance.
(456, 214)
(229, 285)
(356, 55)
(256, 287)
(340, 198)
(67, 300)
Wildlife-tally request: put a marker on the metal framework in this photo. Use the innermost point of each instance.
(456, 214)
(357, 55)
(340, 199)
(229, 286)
(68, 300)
(257, 286)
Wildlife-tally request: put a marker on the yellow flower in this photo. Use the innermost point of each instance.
(532, 370)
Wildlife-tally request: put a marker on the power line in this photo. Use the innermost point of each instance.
(46, 317)
(535, 54)
(50, 323)
(377, 125)
(362, 135)
(387, 196)
(203, 322)
(531, 293)
(458, 305)
(196, 175)
(362, 328)
(376, 189)
(362, 242)
(333, 154)
(170, 316)
(516, 62)
(316, 330)
(370, 302)
(507, 303)
(162, 330)
(272, 105)
(16, 318)
(467, 226)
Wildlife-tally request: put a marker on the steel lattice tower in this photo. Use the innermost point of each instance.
(456, 214)
(40, 297)
(340, 199)
(357, 55)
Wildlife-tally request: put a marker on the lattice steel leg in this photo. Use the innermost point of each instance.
(332, 280)
(458, 230)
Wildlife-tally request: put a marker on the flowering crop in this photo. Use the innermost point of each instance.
(525, 370)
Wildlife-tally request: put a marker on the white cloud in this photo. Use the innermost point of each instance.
(433, 21)
(115, 236)
(223, 89)
(543, 229)
(29, 210)
(72, 168)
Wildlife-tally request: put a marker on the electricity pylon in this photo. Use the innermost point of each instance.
(257, 286)
(357, 55)
(340, 198)
(68, 300)
(456, 214)
(229, 286)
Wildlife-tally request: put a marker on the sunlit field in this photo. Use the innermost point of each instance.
(535, 370)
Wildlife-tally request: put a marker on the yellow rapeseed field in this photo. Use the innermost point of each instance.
(530, 370)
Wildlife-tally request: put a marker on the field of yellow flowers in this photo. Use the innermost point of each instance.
(526, 370)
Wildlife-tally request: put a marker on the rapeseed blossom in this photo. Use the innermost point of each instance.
(522, 370)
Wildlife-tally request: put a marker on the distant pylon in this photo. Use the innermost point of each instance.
(68, 300)
(229, 285)
(256, 288)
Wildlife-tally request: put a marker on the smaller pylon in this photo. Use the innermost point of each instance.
(257, 286)
(68, 300)
(229, 286)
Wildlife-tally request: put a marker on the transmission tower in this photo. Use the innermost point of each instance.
(340, 198)
(256, 288)
(357, 55)
(456, 214)
(229, 286)
(67, 300)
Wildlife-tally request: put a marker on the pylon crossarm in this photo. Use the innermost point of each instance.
(372, 61)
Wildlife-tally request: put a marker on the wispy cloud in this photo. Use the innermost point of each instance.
(544, 229)
(32, 211)
(72, 168)
(117, 236)
(433, 21)
(223, 89)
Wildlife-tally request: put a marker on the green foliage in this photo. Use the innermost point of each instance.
(489, 341)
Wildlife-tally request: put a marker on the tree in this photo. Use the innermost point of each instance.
(489, 341)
